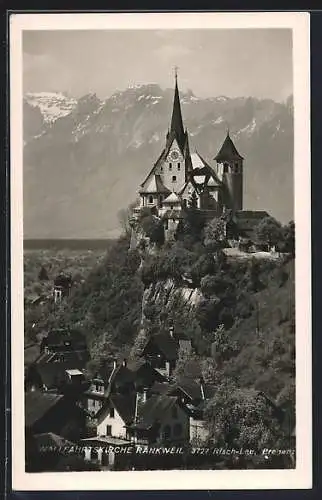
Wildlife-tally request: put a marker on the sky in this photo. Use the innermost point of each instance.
(211, 62)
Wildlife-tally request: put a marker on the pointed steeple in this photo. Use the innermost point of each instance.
(228, 151)
(176, 128)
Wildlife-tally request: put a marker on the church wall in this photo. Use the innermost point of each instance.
(173, 169)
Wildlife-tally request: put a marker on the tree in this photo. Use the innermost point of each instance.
(153, 228)
(124, 215)
(289, 238)
(242, 418)
(223, 346)
(43, 275)
(193, 200)
(268, 232)
(215, 233)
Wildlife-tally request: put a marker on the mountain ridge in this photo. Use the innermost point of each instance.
(85, 164)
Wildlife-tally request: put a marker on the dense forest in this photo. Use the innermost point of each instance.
(241, 322)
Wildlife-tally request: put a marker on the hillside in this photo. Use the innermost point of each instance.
(99, 151)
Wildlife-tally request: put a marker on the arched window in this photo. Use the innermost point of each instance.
(177, 430)
(170, 166)
(150, 198)
(225, 168)
(178, 167)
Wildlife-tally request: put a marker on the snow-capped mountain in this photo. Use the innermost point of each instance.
(83, 166)
(52, 105)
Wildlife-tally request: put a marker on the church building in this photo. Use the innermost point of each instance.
(178, 177)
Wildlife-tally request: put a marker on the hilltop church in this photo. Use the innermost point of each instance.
(177, 174)
(179, 178)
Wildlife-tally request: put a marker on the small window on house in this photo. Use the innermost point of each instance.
(108, 430)
(150, 199)
(174, 412)
(177, 430)
(174, 178)
(112, 412)
(170, 166)
(179, 166)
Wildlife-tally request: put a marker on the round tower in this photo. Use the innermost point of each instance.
(230, 172)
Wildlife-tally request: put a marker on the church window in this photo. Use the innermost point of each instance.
(236, 168)
(171, 207)
(174, 178)
(161, 168)
(225, 168)
(178, 167)
(170, 166)
(150, 199)
(108, 430)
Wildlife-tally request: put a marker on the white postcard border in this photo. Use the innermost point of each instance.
(301, 477)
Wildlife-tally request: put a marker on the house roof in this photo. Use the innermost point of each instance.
(172, 198)
(125, 406)
(166, 344)
(51, 440)
(161, 388)
(31, 353)
(228, 151)
(194, 388)
(37, 404)
(154, 186)
(153, 410)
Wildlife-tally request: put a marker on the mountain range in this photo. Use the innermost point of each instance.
(84, 158)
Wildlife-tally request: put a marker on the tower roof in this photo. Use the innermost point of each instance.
(176, 128)
(228, 151)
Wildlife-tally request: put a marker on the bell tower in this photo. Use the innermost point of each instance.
(230, 172)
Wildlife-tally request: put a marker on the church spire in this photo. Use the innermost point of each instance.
(176, 128)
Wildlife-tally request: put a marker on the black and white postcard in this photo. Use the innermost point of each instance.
(160, 241)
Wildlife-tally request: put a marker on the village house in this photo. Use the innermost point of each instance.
(62, 287)
(162, 351)
(158, 419)
(51, 412)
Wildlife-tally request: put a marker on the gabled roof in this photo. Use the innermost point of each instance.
(49, 440)
(154, 186)
(125, 406)
(172, 198)
(228, 151)
(37, 404)
(202, 168)
(153, 410)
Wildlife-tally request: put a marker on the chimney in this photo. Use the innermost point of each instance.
(171, 331)
(201, 381)
(113, 370)
(124, 363)
(144, 394)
